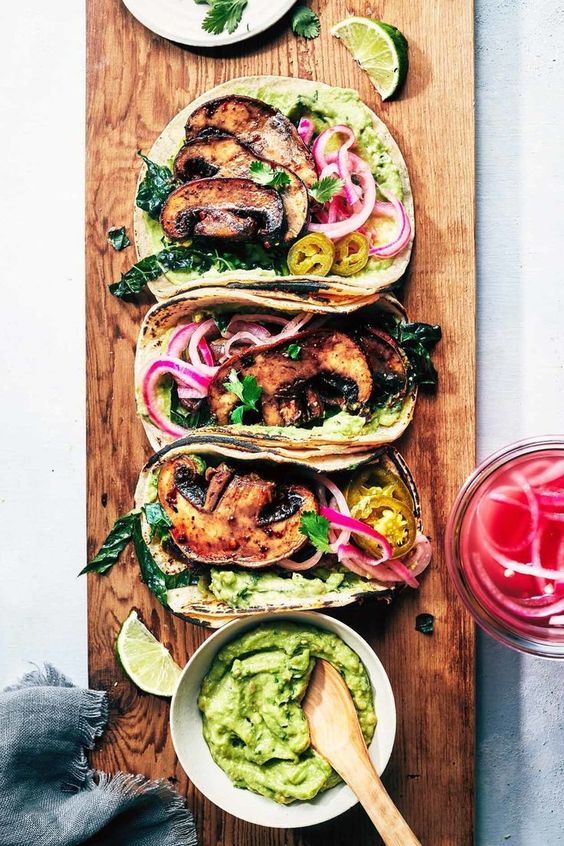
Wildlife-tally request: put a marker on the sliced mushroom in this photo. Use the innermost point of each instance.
(266, 131)
(224, 209)
(226, 156)
(228, 517)
(388, 362)
(331, 369)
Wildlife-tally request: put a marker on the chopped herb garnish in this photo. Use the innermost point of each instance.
(118, 238)
(247, 390)
(316, 528)
(294, 351)
(264, 174)
(224, 15)
(425, 623)
(305, 22)
(118, 538)
(155, 188)
(326, 188)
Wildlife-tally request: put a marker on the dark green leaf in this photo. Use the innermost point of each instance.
(157, 518)
(237, 414)
(316, 528)
(224, 14)
(326, 188)
(305, 22)
(155, 188)
(134, 280)
(182, 416)
(425, 623)
(157, 581)
(118, 238)
(417, 340)
(222, 322)
(113, 546)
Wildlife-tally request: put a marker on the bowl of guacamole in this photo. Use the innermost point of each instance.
(239, 730)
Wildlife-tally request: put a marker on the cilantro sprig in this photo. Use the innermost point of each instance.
(264, 174)
(316, 529)
(247, 390)
(223, 15)
(305, 22)
(325, 189)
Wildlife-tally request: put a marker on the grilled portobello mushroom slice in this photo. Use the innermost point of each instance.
(227, 517)
(221, 209)
(331, 369)
(266, 131)
(388, 362)
(224, 155)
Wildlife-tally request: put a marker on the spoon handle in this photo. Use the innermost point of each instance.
(365, 783)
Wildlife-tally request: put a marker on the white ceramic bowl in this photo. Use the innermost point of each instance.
(181, 20)
(203, 772)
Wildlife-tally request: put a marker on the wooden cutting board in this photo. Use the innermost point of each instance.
(136, 82)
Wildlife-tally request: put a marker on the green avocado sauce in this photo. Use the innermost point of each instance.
(253, 721)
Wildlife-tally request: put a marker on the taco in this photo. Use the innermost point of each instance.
(279, 183)
(222, 529)
(263, 368)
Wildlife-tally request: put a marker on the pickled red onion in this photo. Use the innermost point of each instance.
(361, 211)
(358, 528)
(320, 143)
(298, 566)
(184, 375)
(195, 347)
(305, 130)
(403, 226)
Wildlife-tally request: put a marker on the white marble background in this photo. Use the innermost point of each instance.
(520, 109)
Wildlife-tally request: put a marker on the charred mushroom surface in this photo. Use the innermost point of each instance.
(221, 209)
(266, 131)
(225, 156)
(387, 362)
(331, 369)
(228, 517)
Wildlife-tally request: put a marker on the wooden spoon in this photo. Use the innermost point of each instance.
(336, 734)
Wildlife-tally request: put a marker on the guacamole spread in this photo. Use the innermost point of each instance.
(253, 721)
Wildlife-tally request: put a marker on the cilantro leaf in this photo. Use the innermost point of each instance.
(118, 538)
(247, 390)
(294, 351)
(118, 238)
(264, 174)
(155, 187)
(325, 189)
(305, 22)
(316, 528)
(158, 519)
(224, 14)
(425, 623)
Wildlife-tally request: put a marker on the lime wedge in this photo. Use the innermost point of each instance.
(144, 660)
(379, 48)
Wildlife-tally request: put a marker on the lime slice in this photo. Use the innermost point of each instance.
(380, 50)
(144, 660)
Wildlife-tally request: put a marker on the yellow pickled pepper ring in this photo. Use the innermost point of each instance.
(351, 255)
(312, 255)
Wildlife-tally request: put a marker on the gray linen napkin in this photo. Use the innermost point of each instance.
(48, 795)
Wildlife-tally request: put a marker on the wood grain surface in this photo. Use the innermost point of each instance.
(136, 82)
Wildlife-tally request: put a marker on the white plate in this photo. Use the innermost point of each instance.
(181, 20)
(203, 772)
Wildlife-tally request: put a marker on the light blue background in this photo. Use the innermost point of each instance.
(520, 171)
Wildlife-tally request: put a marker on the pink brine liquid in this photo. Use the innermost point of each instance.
(512, 544)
